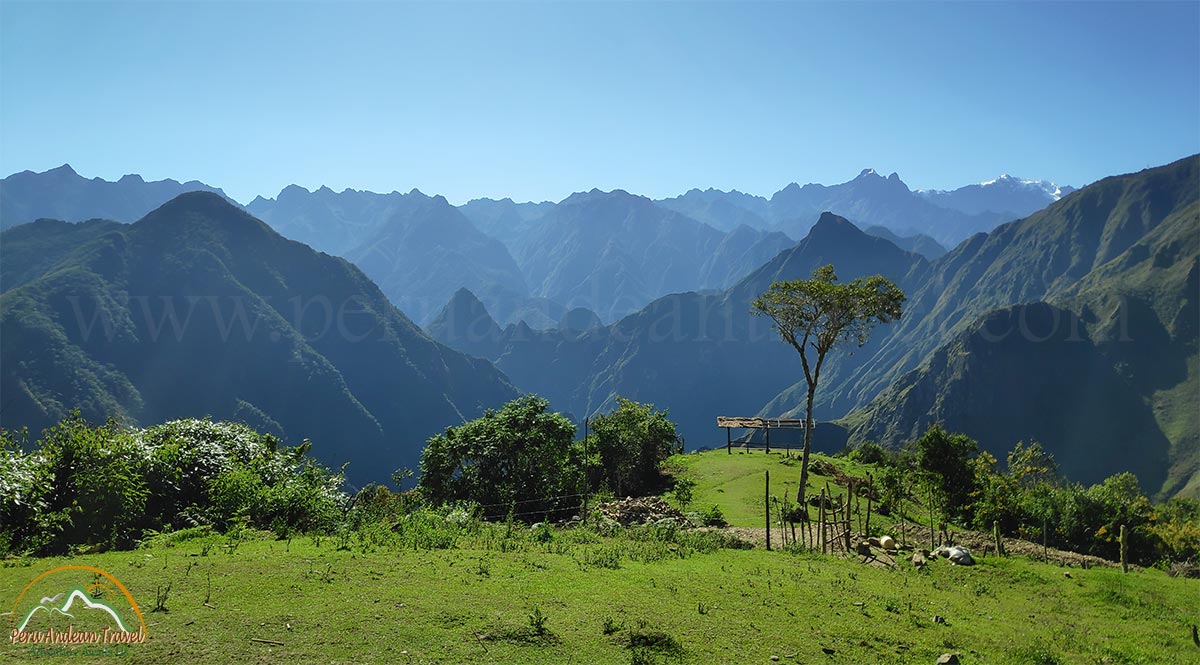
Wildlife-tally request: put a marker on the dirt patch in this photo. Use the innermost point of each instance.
(982, 544)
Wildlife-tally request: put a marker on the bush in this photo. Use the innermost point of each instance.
(108, 486)
(946, 458)
(713, 517)
(868, 453)
(520, 459)
(630, 444)
(97, 486)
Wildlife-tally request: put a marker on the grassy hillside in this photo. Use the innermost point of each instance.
(734, 483)
(395, 582)
(471, 602)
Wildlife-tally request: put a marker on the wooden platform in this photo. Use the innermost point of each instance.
(760, 423)
(767, 424)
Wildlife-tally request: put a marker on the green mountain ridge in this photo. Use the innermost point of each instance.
(1121, 259)
(200, 309)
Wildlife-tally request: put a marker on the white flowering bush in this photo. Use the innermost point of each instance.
(107, 485)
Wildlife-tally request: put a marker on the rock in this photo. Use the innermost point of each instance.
(939, 620)
(887, 543)
(863, 549)
(918, 559)
(1066, 574)
(948, 659)
(644, 510)
(774, 657)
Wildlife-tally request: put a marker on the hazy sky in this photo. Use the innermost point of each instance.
(537, 100)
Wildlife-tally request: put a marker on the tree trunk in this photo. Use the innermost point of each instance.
(807, 446)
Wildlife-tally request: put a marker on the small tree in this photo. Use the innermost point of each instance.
(520, 455)
(815, 315)
(631, 444)
(948, 458)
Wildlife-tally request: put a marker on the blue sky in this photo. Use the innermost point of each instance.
(537, 100)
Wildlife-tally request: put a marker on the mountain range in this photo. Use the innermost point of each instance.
(201, 309)
(713, 238)
(61, 193)
(610, 293)
(1115, 263)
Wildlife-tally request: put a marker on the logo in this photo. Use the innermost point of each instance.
(76, 610)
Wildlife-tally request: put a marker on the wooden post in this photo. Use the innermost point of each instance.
(587, 481)
(996, 535)
(931, 545)
(768, 430)
(1045, 548)
(849, 498)
(1124, 550)
(767, 505)
(858, 506)
(821, 522)
(728, 441)
(870, 491)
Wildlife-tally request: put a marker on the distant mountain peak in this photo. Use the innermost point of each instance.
(596, 194)
(829, 222)
(1007, 181)
(867, 173)
(293, 190)
(63, 170)
(201, 199)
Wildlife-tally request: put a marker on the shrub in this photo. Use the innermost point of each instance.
(868, 453)
(631, 443)
(520, 458)
(97, 488)
(713, 517)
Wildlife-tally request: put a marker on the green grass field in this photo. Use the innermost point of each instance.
(644, 596)
(735, 482)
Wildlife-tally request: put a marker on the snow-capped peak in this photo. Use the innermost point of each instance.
(1051, 189)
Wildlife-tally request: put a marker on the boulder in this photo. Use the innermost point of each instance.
(948, 659)
(918, 559)
(887, 542)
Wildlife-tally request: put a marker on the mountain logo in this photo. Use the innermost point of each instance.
(72, 606)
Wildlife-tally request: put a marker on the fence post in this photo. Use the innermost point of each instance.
(996, 535)
(1124, 550)
(728, 441)
(1045, 547)
(870, 491)
(767, 505)
(931, 545)
(849, 500)
(821, 522)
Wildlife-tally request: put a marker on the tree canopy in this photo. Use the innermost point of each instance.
(818, 314)
(631, 444)
(519, 458)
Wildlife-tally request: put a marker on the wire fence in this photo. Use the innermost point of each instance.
(510, 506)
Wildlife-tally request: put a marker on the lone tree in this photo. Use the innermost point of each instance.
(815, 315)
